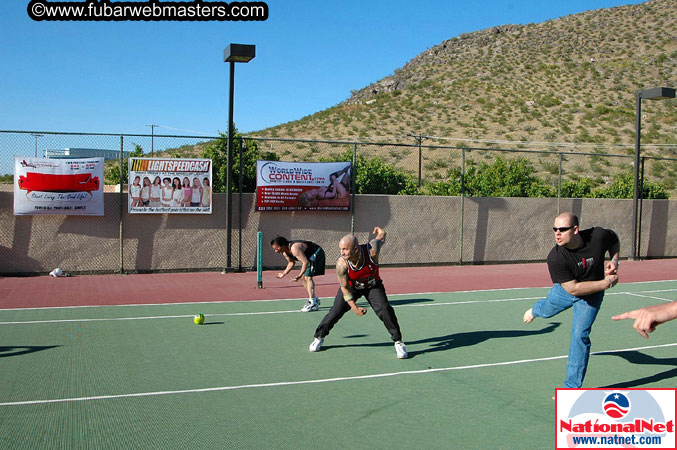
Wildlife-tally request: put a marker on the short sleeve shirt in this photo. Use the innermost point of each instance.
(585, 263)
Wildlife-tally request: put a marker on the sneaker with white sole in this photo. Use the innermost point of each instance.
(311, 305)
(401, 350)
(316, 345)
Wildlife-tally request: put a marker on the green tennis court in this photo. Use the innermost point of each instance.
(145, 376)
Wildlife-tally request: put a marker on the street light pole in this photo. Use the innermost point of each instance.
(648, 94)
(152, 138)
(242, 53)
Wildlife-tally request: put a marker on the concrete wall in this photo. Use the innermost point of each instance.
(421, 230)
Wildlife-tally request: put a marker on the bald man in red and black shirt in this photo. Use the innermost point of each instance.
(357, 272)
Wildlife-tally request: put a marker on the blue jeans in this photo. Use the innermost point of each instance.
(585, 312)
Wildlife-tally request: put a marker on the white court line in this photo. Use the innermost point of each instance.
(183, 316)
(650, 296)
(318, 381)
(260, 313)
(301, 299)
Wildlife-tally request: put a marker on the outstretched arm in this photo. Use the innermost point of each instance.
(377, 242)
(649, 317)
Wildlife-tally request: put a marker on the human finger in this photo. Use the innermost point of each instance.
(626, 315)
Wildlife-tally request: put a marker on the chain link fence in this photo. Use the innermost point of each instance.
(450, 227)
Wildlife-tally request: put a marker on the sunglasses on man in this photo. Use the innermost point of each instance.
(562, 229)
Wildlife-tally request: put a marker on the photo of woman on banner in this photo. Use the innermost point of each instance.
(145, 192)
(135, 191)
(206, 193)
(167, 192)
(187, 192)
(196, 194)
(155, 192)
(177, 193)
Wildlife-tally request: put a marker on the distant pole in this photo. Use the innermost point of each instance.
(152, 138)
(36, 136)
(419, 138)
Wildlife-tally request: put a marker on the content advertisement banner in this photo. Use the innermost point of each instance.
(72, 186)
(170, 186)
(298, 186)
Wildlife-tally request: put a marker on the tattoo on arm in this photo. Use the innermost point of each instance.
(342, 275)
(376, 244)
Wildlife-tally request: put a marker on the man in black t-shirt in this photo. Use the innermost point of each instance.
(580, 277)
(312, 259)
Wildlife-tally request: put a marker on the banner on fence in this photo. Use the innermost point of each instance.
(290, 186)
(170, 186)
(69, 186)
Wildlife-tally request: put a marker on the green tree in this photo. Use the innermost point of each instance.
(217, 151)
(623, 186)
(503, 178)
(448, 188)
(113, 174)
(580, 188)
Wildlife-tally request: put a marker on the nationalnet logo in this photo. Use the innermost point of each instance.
(622, 418)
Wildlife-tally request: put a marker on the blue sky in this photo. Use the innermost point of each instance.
(117, 77)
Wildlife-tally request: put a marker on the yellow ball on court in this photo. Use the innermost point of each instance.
(199, 319)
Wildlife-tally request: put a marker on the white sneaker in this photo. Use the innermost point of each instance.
(316, 345)
(311, 305)
(401, 350)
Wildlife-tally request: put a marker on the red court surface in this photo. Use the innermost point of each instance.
(88, 290)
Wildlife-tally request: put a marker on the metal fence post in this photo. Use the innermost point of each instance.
(559, 184)
(353, 177)
(639, 215)
(460, 257)
(122, 198)
(420, 161)
(239, 213)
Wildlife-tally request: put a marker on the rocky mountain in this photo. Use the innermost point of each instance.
(570, 80)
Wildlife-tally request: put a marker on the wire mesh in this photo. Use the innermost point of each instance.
(447, 218)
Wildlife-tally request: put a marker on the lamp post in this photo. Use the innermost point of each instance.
(152, 138)
(36, 136)
(647, 94)
(242, 53)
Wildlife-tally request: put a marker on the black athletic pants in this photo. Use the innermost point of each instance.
(376, 296)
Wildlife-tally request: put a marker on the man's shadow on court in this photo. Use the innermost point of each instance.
(6, 352)
(636, 357)
(467, 339)
(456, 340)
